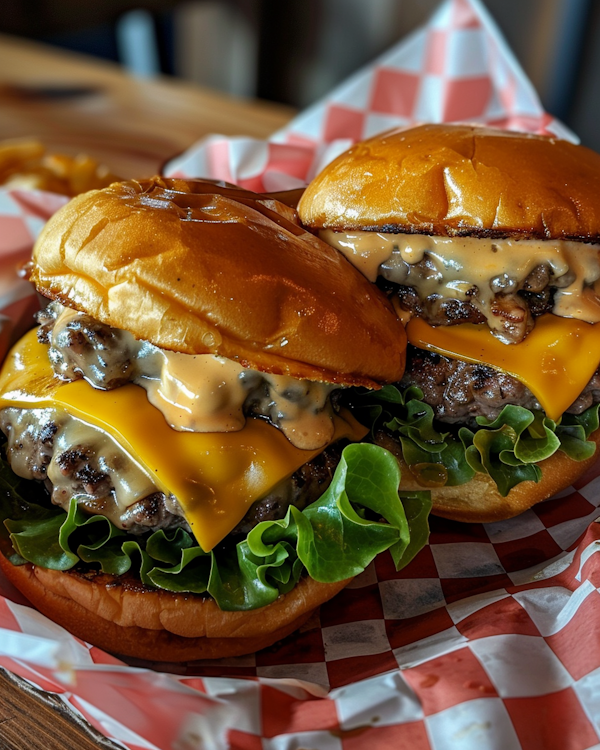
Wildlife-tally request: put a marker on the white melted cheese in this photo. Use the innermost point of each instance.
(477, 269)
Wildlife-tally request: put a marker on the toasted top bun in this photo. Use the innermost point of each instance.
(460, 180)
(196, 267)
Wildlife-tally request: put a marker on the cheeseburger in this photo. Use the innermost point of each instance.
(487, 244)
(199, 487)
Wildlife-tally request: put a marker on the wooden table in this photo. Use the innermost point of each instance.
(32, 720)
(75, 104)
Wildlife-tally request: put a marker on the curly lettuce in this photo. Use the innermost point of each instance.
(360, 515)
(507, 448)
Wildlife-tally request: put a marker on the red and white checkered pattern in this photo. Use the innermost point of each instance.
(22, 215)
(457, 68)
(465, 648)
(488, 640)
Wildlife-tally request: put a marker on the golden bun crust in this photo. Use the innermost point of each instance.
(460, 180)
(158, 625)
(479, 501)
(195, 267)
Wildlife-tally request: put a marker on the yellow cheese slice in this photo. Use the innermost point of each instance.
(555, 361)
(215, 476)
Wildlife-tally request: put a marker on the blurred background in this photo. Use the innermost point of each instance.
(294, 51)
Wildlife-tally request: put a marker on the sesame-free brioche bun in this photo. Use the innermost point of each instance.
(453, 181)
(195, 267)
(460, 180)
(126, 618)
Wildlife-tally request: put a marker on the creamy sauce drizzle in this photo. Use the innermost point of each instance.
(207, 393)
(199, 393)
(302, 410)
(475, 269)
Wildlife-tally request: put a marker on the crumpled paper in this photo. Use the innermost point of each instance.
(487, 640)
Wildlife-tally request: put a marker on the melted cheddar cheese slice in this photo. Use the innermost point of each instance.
(555, 361)
(215, 476)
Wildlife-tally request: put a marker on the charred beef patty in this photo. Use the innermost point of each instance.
(515, 305)
(81, 347)
(75, 459)
(459, 391)
(504, 282)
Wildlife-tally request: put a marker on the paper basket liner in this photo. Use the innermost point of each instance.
(489, 639)
(457, 68)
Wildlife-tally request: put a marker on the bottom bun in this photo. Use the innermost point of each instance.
(478, 501)
(126, 618)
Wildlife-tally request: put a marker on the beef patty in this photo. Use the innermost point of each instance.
(76, 460)
(459, 391)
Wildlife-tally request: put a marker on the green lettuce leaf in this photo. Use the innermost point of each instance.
(507, 449)
(360, 515)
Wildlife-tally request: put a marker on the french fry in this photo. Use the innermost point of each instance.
(25, 164)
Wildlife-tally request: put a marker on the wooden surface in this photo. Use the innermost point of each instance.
(32, 720)
(77, 105)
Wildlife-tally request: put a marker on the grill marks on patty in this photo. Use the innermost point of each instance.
(84, 346)
(76, 463)
(87, 469)
(94, 475)
(459, 391)
(517, 308)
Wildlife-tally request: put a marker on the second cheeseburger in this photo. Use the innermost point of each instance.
(488, 244)
(204, 488)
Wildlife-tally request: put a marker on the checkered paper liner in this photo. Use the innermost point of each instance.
(456, 68)
(488, 640)
(464, 649)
